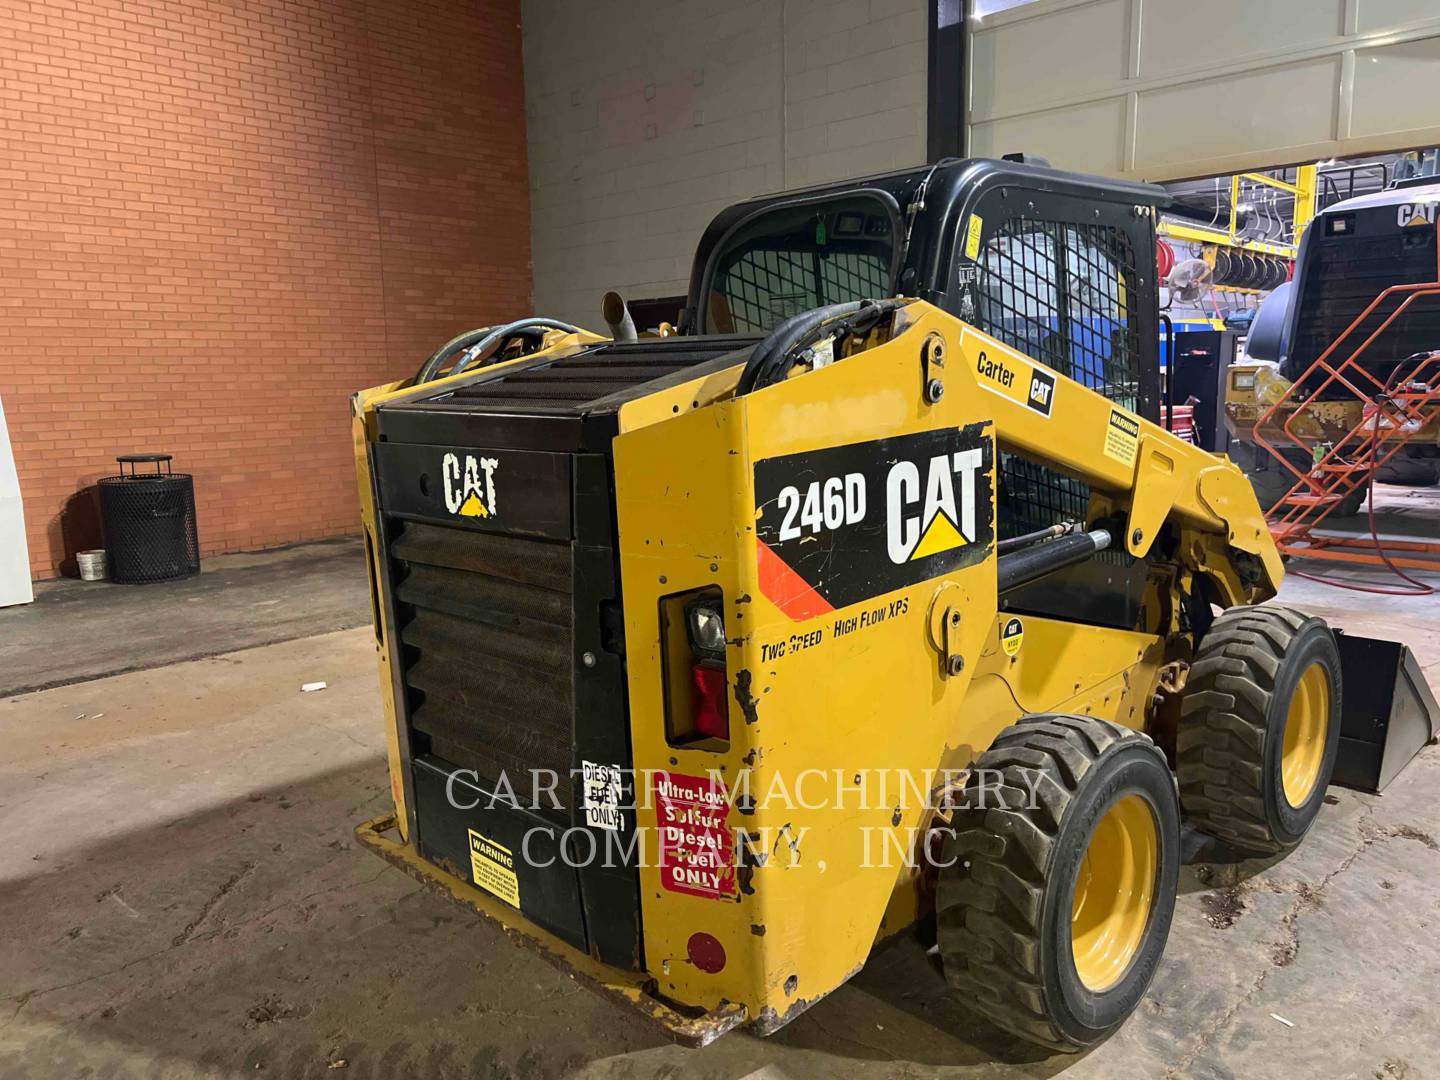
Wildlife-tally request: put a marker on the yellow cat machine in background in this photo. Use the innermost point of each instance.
(834, 613)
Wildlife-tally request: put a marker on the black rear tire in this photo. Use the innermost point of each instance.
(1408, 471)
(1231, 745)
(1005, 905)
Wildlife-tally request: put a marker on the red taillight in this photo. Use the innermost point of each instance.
(694, 663)
(711, 701)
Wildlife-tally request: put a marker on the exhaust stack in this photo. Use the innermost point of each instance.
(617, 316)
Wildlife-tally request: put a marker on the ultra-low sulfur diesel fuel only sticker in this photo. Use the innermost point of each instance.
(696, 848)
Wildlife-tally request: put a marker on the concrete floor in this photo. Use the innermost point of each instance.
(78, 630)
(182, 896)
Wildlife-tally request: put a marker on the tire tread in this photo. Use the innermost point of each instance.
(1220, 748)
(989, 918)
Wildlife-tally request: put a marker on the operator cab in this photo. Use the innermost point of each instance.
(983, 240)
(1056, 265)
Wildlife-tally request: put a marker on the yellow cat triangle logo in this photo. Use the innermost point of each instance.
(942, 535)
(473, 507)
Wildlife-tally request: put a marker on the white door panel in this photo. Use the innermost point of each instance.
(1274, 110)
(1394, 89)
(1019, 69)
(14, 553)
(1377, 15)
(1166, 89)
(1086, 138)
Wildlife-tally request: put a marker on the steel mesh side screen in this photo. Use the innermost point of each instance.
(1064, 294)
(857, 275)
(766, 287)
(1032, 496)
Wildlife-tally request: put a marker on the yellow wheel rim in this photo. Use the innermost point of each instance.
(1306, 726)
(1114, 892)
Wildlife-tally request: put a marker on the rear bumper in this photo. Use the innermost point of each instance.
(633, 989)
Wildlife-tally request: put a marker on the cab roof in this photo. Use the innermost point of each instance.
(1395, 196)
(952, 186)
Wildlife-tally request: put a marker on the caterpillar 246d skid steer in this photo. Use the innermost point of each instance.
(872, 596)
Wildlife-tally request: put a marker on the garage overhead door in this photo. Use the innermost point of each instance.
(1166, 89)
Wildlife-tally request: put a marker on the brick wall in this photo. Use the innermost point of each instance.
(218, 220)
(646, 117)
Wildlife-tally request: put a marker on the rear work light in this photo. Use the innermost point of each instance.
(711, 704)
(697, 684)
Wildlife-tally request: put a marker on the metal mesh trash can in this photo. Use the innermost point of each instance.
(149, 520)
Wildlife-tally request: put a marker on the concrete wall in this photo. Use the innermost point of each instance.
(646, 117)
(218, 220)
(1169, 89)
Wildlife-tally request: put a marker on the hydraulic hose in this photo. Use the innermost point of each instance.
(500, 333)
(431, 366)
(477, 341)
(1032, 563)
(770, 360)
(1015, 543)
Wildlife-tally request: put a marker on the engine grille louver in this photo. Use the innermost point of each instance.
(593, 375)
(487, 634)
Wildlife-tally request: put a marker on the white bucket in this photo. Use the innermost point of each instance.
(92, 564)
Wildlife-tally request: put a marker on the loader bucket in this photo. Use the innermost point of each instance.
(1388, 713)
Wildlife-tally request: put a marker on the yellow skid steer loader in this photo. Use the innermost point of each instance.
(871, 596)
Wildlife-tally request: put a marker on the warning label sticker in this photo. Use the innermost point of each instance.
(492, 867)
(1122, 437)
(602, 796)
(972, 237)
(696, 855)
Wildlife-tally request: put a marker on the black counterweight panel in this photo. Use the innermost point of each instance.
(473, 832)
(453, 640)
(485, 598)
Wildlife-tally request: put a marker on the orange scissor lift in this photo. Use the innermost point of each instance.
(1391, 414)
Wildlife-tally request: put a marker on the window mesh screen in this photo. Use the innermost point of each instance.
(1079, 322)
(1032, 496)
(847, 276)
(1062, 293)
(764, 287)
